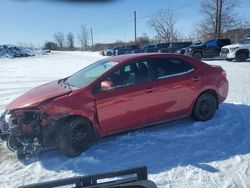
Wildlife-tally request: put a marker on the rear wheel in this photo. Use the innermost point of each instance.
(241, 56)
(230, 59)
(74, 138)
(204, 107)
(197, 55)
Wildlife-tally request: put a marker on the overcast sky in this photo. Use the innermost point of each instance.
(35, 21)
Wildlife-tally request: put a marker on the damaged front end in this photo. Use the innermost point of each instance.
(4, 128)
(22, 127)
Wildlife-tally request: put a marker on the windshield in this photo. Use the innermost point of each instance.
(148, 47)
(246, 41)
(174, 45)
(85, 76)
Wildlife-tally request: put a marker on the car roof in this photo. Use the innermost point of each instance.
(131, 57)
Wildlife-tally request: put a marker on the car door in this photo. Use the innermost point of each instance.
(176, 82)
(130, 103)
(211, 49)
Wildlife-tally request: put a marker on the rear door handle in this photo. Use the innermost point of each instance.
(149, 90)
(196, 78)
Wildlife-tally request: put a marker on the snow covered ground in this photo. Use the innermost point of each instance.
(183, 153)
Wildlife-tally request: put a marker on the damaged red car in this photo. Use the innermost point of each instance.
(110, 96)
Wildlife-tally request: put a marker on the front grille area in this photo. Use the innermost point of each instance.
(224, 51)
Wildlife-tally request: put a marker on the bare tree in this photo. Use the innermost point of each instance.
(144, 39)
(219, 16)
(49, 45)
(83, 37)
(59, 38)
(70, 41)
(164, 23)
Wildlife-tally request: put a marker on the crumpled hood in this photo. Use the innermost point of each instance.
(38, 95)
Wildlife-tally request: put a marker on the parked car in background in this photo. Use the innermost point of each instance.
(113, 95)
(112, 51)
(104, 52)
(208, 49)
(161, 46)
(127, 49)
(182, 50)
(101, 52)
(158, 47)
(144, 49)
(239, 52)
(173, 47)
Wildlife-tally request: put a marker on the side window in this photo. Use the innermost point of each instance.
(163, 68)
(211, 43)
(130, 74)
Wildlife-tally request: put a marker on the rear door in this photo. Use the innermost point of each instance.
(130, 103)
(176, 82)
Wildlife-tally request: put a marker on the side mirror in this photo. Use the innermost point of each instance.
(106, 85)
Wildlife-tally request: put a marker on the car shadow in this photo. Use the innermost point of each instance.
(163, 147)
(247, 61)
(223, 59)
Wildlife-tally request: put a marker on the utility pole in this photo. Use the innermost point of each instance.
(219, 19)
(135, 24)
(92, 42)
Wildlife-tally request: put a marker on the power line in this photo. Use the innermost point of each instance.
(128, 20)
(170, 9)
(123, 22)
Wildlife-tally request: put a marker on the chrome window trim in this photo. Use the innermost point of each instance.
(178, 74)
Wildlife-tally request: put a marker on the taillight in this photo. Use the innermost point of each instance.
(221, 70)
(224, 73)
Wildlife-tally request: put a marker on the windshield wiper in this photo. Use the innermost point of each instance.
(63, 83)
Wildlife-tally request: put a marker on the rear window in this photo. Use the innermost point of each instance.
(163, 45)
(168, 67)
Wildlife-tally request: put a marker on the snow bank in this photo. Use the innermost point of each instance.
(15, 51)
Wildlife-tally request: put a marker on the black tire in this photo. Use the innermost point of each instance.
(3, 137)
(204, 107)
(230, 59)
(20, 154)
(197, 55)
(241, 56)
(74, 137)
(13, 143)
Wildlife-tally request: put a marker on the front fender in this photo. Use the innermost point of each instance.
(75, 104)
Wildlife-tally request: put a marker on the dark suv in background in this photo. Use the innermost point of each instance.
(127, 49)
(207, 49)
(145, 49)
(159, 47)
(173, 47)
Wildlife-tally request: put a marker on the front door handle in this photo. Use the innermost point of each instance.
(196, 78)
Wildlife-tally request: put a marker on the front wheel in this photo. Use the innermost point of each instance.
(204, 107)
(241, 56)
(74, 138)
(197, 56)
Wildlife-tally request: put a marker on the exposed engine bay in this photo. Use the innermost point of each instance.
(23, 131)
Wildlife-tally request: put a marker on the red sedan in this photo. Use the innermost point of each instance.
(110, 96)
